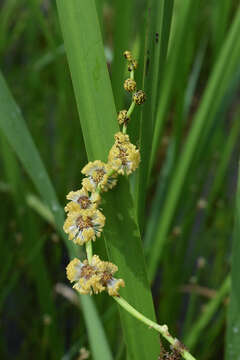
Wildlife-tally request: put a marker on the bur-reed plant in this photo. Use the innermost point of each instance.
(182, 198)
(85, 222)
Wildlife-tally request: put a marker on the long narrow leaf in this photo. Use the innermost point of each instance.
(122, 15)
(92, 87)
(171, 70)
(233, 325)
(159, 13)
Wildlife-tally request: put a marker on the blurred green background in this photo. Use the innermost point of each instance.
(40, 314)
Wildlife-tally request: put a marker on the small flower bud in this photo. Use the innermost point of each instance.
(127, 54)
(130, 85)
(133, 65)
(122, 117)
(139, 97)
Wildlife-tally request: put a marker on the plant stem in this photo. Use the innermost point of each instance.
(130, 110)
(111, 172)
(89, 251)
(162, 329)
(124, 129)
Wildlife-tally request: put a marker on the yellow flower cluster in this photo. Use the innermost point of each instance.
(122, 117)
(83, 225)
(95, 277)
(130, 85)
(123, 156)
(98, 176)
(85, 221)
(132, 63)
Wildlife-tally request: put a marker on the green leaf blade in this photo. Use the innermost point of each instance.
(233, 323)
(99, 125)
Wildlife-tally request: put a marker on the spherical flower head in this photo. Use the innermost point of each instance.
(130, 85)
(97, 176)
(107, 270)
(84, 225)
(82, 199)
(94, 277)
(123, 157)
(128, 55)
(86, 279)
(74, 270)
(139, 97)
(122, 117)
(111, 284)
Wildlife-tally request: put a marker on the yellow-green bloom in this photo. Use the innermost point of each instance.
(130, 85)
(132, 65)
(97, 176)
(123, 157)
(122, 117)
(128, 55)
(139, 97)
(82, 199)
(83, 225)
(95, 277)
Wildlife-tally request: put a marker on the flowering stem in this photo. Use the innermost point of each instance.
(162, 329)
(130, 110)
(124, 129)
(111, 172)
(132, 75)
(89, 251)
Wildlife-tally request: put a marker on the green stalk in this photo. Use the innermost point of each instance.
(89, 251)
(130, 110)
(162, 329)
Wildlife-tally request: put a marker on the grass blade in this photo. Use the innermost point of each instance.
(94, 96)
(123, 14)
(159, 13)
(170, 72)
(233, 324)
(218, 84)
